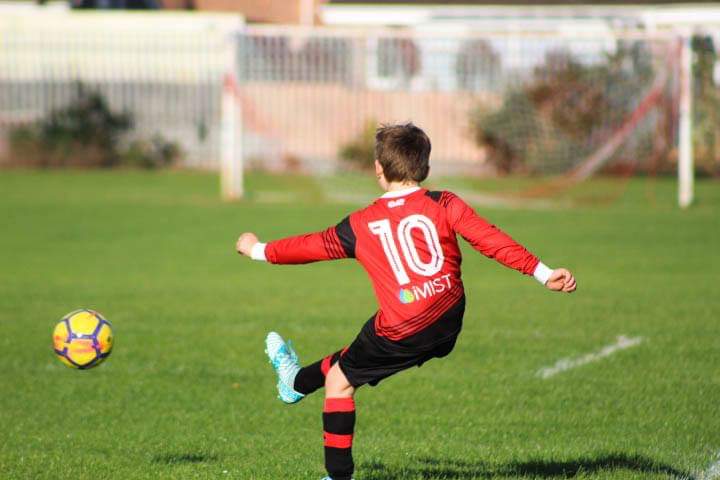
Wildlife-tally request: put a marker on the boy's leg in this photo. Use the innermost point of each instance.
(338, 424)
(312, 377)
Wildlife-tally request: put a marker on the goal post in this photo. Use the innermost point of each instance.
(685, 147)
(231, 149)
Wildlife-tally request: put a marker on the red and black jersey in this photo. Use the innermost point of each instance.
(407, 243)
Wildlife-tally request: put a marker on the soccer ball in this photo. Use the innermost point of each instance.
(83, 339)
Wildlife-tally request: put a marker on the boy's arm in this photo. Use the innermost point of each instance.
(330, 244)
(494, 243)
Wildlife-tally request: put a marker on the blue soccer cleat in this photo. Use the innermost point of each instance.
(328, 478)
(286, 364)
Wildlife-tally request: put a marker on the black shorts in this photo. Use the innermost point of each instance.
(371, 358)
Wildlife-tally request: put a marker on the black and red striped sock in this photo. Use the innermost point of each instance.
(338, 428)
(312, 377)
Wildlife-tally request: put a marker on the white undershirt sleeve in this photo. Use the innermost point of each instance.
(258, 252)
(542, 273)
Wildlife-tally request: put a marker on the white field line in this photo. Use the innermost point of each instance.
(270, 196)
(563, 364)
(489, 200)
(713, 471)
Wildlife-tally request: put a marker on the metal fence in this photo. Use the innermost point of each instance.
(166, 70)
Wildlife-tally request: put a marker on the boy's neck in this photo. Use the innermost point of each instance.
(395, 186)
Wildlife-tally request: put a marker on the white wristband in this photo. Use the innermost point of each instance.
(258, 252)
(542, 273)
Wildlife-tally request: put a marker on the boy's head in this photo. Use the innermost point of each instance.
(402, 153)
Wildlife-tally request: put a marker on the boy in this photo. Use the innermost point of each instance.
(406, 240)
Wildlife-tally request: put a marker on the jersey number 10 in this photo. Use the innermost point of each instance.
(382, 229)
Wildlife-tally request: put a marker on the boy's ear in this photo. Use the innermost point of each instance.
(378, 169)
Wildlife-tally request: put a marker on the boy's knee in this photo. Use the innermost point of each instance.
(336, 384)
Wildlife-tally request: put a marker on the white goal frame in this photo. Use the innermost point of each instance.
(686, 175)
(231, 149)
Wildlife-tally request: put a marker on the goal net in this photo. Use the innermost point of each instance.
(554, 109)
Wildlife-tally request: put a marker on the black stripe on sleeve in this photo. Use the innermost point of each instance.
(331, 246)
(326, 245)
(434, 195)
(347, 237)
(446, 198)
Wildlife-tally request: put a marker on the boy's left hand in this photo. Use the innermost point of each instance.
(561, 280)
(245, 243)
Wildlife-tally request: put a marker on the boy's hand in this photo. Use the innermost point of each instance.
(245, 243)
(561, 280)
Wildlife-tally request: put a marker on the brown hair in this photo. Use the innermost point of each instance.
(403, 151)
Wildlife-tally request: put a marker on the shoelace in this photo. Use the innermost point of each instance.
(291, 352)
(286, 356)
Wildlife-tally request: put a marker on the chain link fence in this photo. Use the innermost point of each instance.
(165, 70)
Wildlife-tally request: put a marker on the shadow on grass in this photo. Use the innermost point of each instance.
(180, 458)
(449, 469)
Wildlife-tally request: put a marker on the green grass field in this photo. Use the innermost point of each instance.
(187, 392)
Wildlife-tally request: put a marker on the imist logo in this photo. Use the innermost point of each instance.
(428, 289)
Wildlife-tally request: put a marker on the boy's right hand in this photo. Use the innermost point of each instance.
(245, 243)
(561, 280)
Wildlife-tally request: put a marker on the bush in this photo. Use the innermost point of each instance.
(86, 133)
(151, 154)
(565, 112)
(706, 108)
(359, 154)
